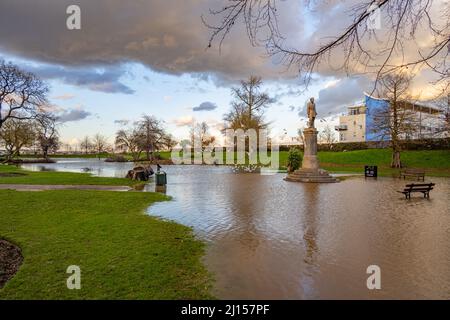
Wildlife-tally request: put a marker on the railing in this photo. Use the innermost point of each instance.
(341, 127)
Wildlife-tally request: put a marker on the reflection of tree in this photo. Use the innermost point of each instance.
(310, 223)
(244, 207)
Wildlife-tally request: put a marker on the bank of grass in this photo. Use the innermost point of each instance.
(435, 162)
(10, 174)
(164, 155)
(122, 253)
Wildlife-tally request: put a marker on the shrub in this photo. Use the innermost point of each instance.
(294, 160)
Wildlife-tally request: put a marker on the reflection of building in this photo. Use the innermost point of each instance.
(357, 124)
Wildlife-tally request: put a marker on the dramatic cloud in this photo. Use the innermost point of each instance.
(206, 106)
(73, 115)
(166, 36)
(97, 79)
(336, 97)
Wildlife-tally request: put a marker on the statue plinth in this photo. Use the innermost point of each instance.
(310, 160)
(310, 171)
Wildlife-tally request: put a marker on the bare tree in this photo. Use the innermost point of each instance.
(200, 136)
(22, 94)
(402, 22)
(131, 141)
(249, 105)
(396, 120)
(168, 142)
(16, 134)
(146, 135)
(86, 144)
(328, 136)
(152, 134)
(100, 144)
(301, 136)
(47, 133)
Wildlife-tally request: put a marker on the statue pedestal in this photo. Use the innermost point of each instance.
(310, 171)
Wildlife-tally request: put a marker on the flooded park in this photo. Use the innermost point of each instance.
(271, 239)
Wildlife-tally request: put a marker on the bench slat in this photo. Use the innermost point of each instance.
(424, 188)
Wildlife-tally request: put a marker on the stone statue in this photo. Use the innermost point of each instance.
(312, 113)
(310, 171)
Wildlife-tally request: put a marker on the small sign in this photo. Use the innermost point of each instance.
(371, 172)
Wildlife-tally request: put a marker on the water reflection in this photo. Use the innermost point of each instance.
(97, 167)
(45, 169)
(310, 223)
(310, 231)
(271, 239)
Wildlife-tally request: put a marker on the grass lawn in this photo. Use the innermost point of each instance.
(435, 162)
(14, 175)
(122, 253)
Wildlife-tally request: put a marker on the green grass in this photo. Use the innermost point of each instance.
(57, 178)
(435, 162)
(122, 253)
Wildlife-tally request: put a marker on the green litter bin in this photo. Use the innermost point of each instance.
(161, 178)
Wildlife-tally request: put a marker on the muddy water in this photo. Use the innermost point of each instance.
(270, 239)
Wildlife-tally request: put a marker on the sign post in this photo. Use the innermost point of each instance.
(371, 171)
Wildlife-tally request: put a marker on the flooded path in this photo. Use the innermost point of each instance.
(271, 239)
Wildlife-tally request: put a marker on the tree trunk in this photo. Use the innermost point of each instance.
(396, 160)
(9, 155)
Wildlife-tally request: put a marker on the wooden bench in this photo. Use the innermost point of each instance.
(423, 188)
(419, 174)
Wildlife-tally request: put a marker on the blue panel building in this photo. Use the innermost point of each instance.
(374, 105)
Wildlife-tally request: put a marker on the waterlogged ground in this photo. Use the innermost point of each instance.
(272, 239)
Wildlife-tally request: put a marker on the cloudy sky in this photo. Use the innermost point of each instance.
(150, 56)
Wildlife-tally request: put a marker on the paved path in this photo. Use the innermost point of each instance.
(28, 187)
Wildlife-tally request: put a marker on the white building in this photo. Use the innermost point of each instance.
(352, 126)
(355, 126)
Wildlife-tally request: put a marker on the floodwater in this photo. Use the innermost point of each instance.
(271, 239)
